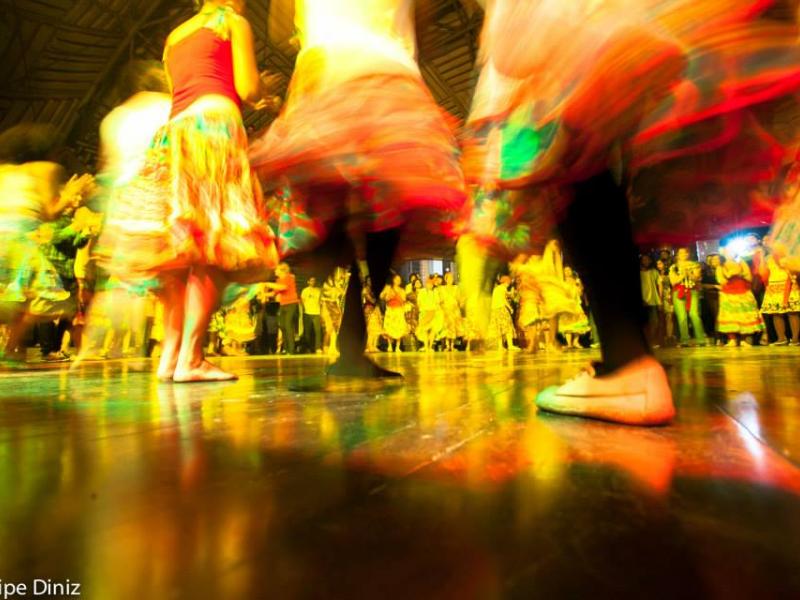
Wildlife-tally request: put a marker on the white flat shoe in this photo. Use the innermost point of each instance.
(637, 394)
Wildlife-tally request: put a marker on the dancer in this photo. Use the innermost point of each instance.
(738, 311)
(531, 300)
(394, 323)
(125, 136)
(450, 296)
(332, 302)
(782, 297)
(366, 149)
(430, 314)
(603, 96)
(31, 187)
(501, 325)
(373, 316)
(193, 218)
(572, 325)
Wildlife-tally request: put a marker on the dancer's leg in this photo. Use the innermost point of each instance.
(380, 249)
(779, 324)
(794, 324)
(204, 289)
(631, 386)
(172, 295)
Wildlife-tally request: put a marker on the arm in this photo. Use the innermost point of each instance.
(277, 287)
(721, 278)
(674, 276)
(247, 80)
(746, 273)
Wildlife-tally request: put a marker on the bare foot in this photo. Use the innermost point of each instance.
(205, 372)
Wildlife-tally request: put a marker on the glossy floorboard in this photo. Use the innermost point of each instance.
(449, 485)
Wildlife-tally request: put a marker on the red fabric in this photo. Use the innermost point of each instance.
(736, 285)
(289, 295)
(685, 294)
(200, 64)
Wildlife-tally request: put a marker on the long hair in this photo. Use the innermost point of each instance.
(27, 142)
(142, 76)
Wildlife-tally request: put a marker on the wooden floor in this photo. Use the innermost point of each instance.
(447, 485)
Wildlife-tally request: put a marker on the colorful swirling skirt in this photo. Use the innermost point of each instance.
(697, 96)
(26, 275)
(382, 137)
(738, 313)
(194, 202)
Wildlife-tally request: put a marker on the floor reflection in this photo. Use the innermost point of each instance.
(450, 485)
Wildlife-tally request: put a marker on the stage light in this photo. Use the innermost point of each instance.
(742, 246)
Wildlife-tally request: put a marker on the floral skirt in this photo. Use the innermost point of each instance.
(332, 315)
(394, 323)
(580, 89)
(500, 324)
(430, 324)
(575, 323)
(776, 301)
(374, 319)
(738, 313)
(27, 275)
(383, 137)
(453, 324)
(194, 202)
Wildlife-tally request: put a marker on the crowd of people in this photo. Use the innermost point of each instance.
(575, 134)
(727, 300)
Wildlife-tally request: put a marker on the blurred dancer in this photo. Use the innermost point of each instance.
(193, 218)
(31, 290)
(451, 305)
(366, 149)
(574, 324)
(601, 95)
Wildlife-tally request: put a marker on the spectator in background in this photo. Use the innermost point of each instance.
(781, 299)
(413, 279)
(332, 303)
(709, 308)
(501, 325)
(285, 289)
(372, 314)
(667, 334)
(64, 238)
(684, 278)
(395, 325)
(652, 297)
(311, 297)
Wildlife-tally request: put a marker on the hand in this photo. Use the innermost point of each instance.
(77, 188)
(272, 103)
(271, 82)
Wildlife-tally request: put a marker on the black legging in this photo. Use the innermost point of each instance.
(380, 249)
(598, 241)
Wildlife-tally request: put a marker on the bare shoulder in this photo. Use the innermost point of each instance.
(238, 24)
(184, 30)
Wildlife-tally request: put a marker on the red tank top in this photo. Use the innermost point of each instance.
(200, 64)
